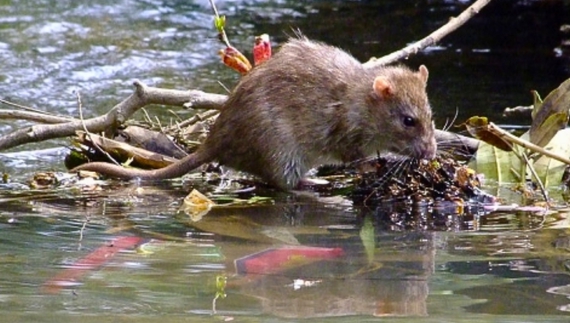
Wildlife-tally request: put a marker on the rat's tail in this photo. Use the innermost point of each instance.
(173, 170)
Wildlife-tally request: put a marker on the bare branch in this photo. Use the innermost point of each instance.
(22, 107)
(436, 36)
(33, 116)
(143, 96)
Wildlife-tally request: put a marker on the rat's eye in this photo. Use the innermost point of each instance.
(409, 121)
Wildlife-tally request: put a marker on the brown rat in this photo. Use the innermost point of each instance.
(309, 104)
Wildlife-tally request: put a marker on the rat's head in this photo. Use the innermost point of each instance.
(402, 112)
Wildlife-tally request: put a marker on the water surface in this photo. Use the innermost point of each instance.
(436, 266)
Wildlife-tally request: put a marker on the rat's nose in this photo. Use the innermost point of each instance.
(428, 149)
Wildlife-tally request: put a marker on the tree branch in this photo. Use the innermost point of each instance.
(33, 116)
(143, 96)
(453, 24)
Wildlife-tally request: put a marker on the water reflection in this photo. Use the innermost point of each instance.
(381, 271)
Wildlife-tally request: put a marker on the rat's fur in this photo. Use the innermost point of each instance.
(309, 104)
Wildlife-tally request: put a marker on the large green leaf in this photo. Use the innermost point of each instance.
(496, 164)
(549, 170)
(506, 167)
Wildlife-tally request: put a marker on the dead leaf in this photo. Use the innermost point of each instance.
(196, 205)
(478, 128)
(235, 59)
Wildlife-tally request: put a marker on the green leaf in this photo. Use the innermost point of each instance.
(556, 102)
(550, 171)
(549, 128)
(496, 164)
(506, 167)
(537, 103)
(221, 282)
(220, 23)
(368, 238)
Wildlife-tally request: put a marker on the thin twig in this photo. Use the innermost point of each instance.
(525, 144)
(80, 107)
(434, 37)
(81, 232)
(159, 124)
(39, 117)
(23, 107)
(535, 175)
(223, 37)
(224, 87)
(175, 115)
(198, 117)
(146, 116)
(142, 96)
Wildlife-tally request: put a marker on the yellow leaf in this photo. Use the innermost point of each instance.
(196, 205)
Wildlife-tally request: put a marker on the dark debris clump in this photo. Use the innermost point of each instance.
(420, 182)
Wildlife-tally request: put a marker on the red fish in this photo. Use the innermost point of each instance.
(94, 260)
(278, 259)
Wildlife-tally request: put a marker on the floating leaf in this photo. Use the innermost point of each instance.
(221, 282)
(196, 205)
(478, 128)
(261, 49)
(234, 59)
(544, 125)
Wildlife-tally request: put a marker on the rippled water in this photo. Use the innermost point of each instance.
(493, 274)
(435, 267)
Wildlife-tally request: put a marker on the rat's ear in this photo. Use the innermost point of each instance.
(382, 87)
(424, 73)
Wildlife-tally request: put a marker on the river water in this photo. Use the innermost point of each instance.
(124, 252)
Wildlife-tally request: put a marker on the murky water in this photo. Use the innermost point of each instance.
(126, 253)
